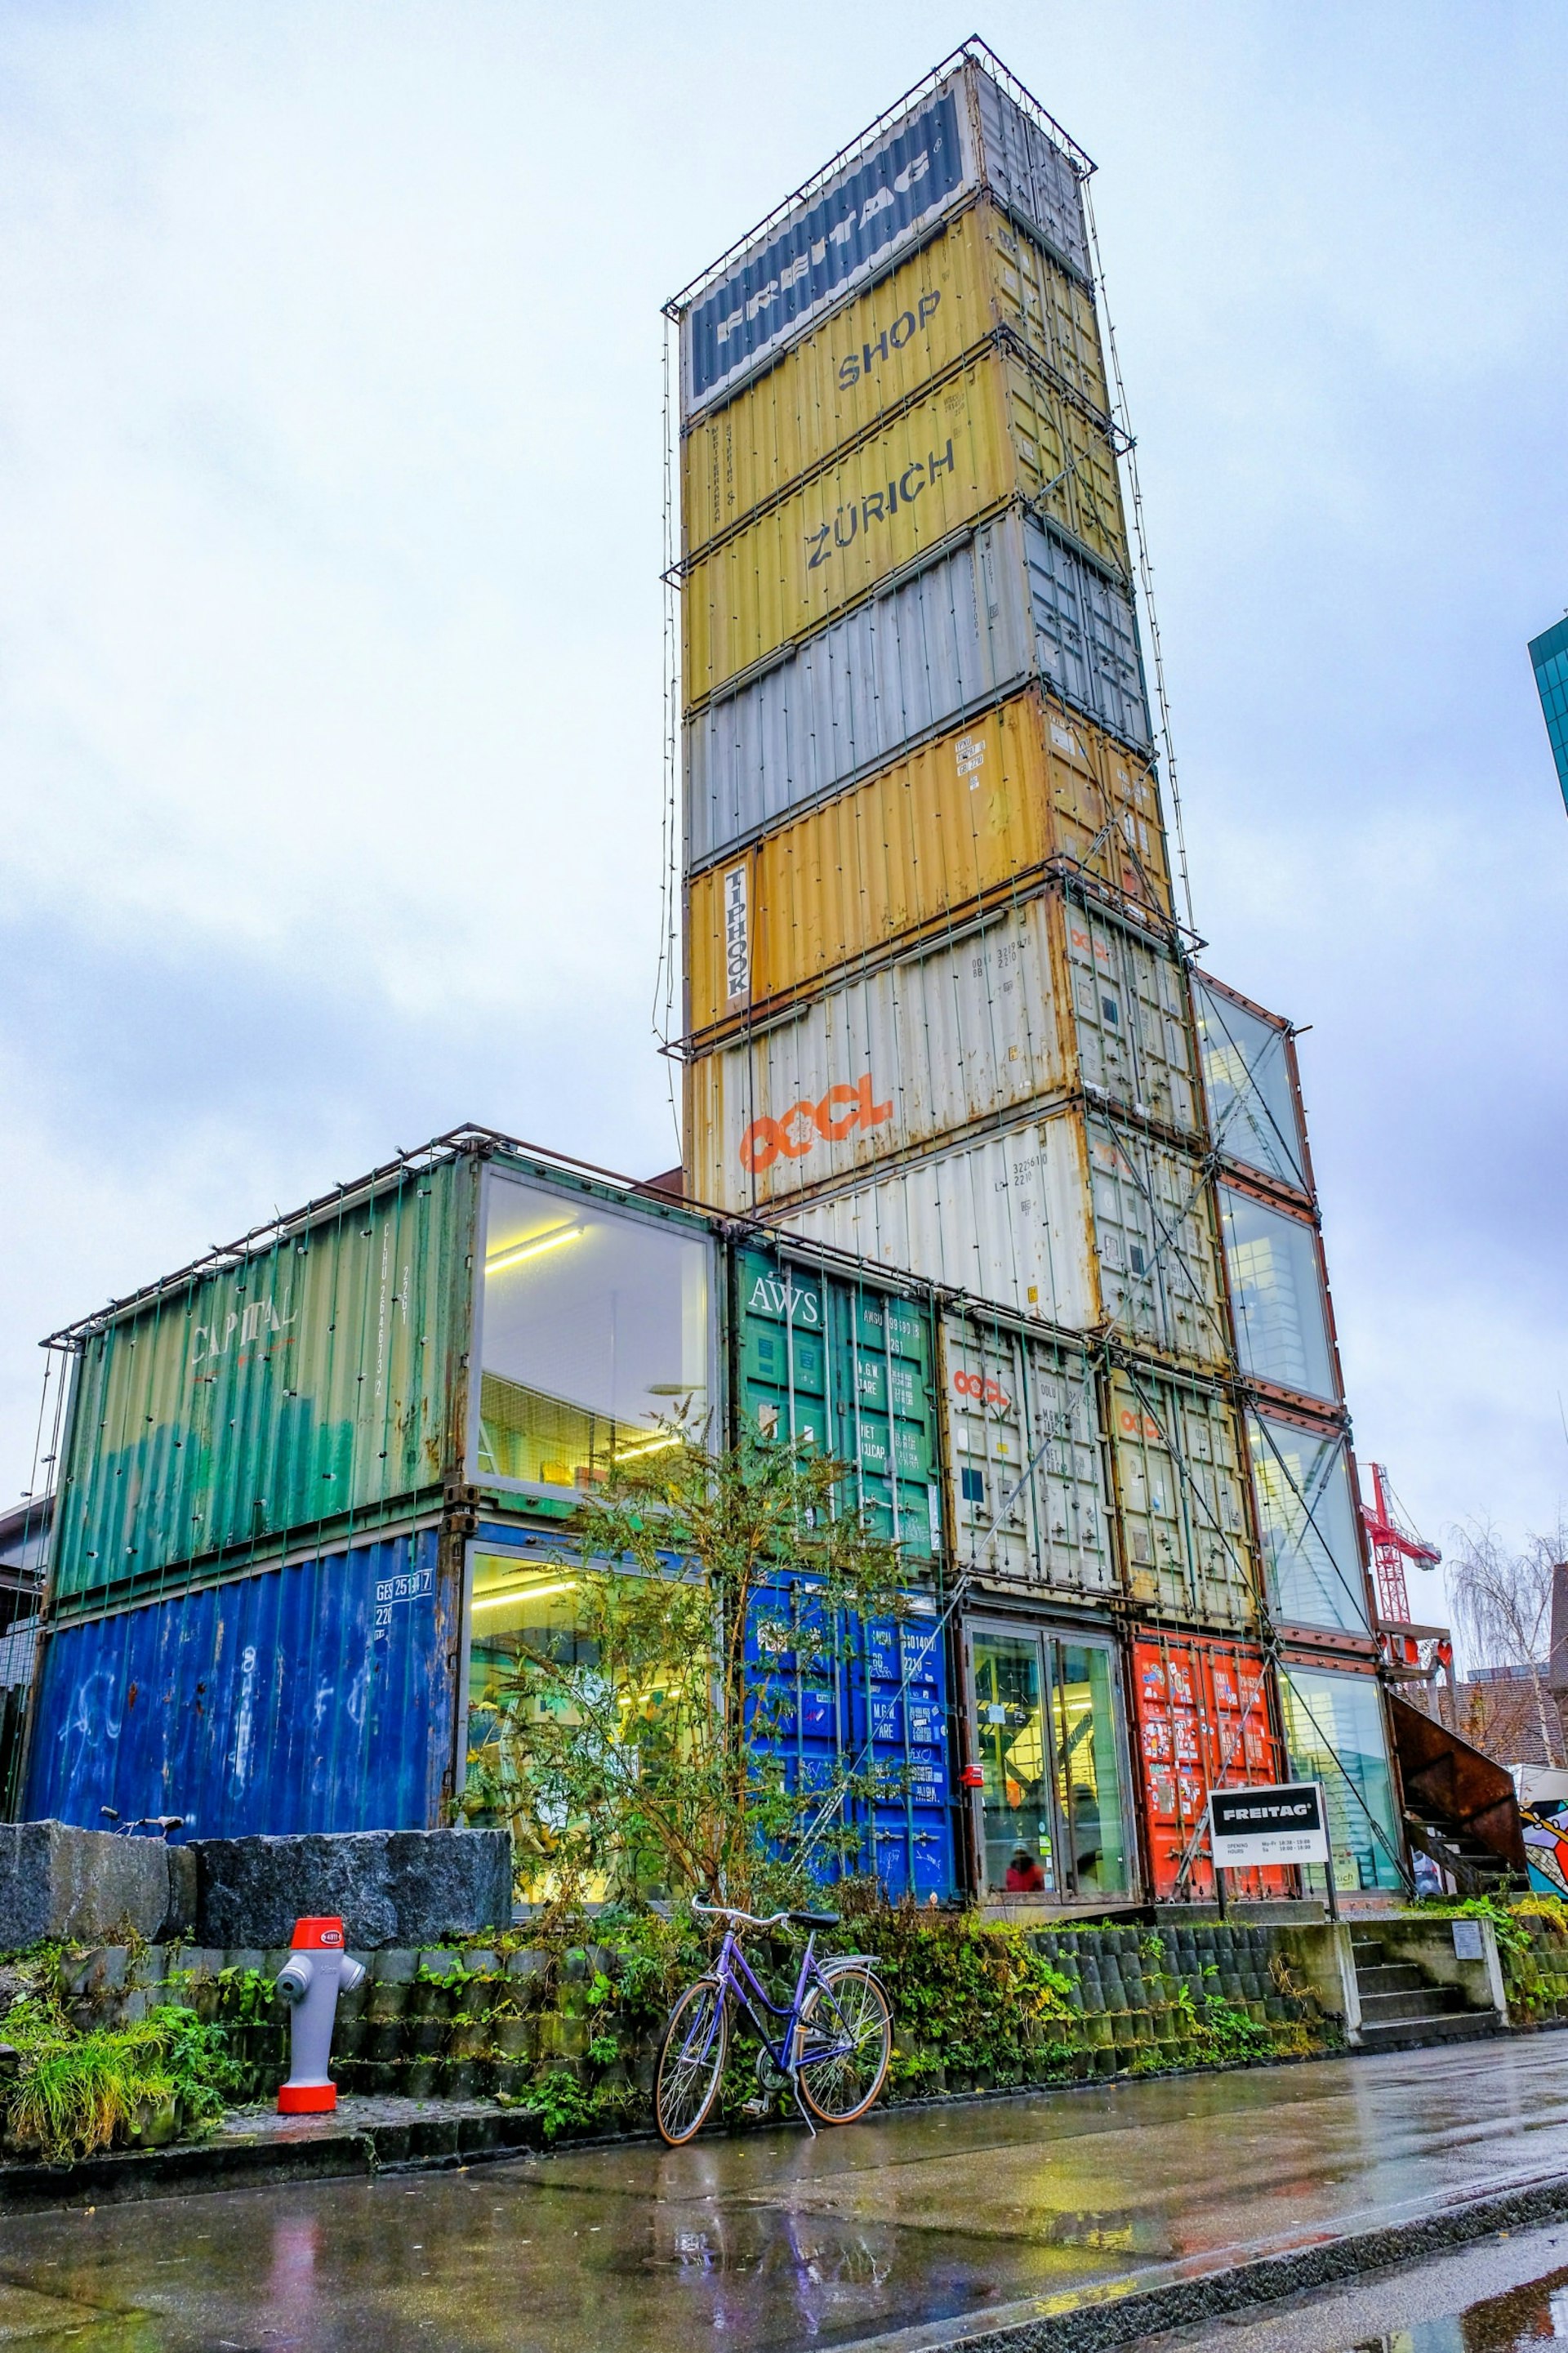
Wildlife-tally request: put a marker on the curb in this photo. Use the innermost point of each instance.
(1109, 2317)
(190, 2169)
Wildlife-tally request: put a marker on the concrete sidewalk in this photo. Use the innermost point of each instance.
(1043, 2221)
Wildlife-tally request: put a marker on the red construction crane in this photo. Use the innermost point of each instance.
(1391, 1545)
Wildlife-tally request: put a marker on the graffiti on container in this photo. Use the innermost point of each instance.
(855, 364)
(902, 490)
(840, 1110)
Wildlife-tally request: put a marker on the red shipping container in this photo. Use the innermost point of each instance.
(1203, 1724)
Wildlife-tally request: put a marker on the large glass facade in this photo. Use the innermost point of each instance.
(1048, 1734)
(595, 1329)
(1277, 1291)
(1334, 1730)
(1307, 1519)
(1247, 1076)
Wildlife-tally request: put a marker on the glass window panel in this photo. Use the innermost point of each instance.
(1089, 1773)
(1247, 1076)
(1020, 1855)
(1333, 1728)
(1281, 1327)
(596, 1325)
(1307, 1517)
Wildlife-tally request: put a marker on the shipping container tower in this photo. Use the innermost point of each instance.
(940, 1009)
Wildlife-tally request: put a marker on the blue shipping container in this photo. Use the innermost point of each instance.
(878, 1706)
(318, 1696)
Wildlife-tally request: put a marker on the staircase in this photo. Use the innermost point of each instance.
(1459, 1803)
(1401, 2009)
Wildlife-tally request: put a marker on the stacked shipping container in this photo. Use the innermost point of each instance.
(939, 1012)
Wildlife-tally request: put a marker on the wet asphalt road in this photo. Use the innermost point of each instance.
(775, 2242)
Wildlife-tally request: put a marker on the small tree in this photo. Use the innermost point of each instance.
(1502, 1610)
(641, 1755)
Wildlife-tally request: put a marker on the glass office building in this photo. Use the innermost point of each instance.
(1548, 652)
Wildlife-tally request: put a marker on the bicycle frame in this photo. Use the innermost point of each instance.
(737, 1981)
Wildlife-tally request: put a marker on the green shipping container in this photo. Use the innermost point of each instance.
(314, 1378)
(849, 1368)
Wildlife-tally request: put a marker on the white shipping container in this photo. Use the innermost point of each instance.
(890, 1060)
(865, 209)
(1131, 1017)
(1026, 1460)
(1010, 603)
(1075, 1222)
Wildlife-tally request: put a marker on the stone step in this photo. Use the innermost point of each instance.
(1425, 2001)
(1447, 2026)
(1389, 1977)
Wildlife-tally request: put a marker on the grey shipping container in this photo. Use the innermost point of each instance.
(1010, 603)
(958, 131)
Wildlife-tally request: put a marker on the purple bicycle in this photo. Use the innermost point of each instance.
(832, 2049)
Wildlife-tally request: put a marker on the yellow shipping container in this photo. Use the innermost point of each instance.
(932, 839)
(978, 274)
(994, 431)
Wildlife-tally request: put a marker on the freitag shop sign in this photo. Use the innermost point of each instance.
(1283, 1825)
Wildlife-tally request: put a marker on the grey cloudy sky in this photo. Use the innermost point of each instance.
(330, 620)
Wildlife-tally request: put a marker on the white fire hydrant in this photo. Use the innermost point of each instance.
(309, 1982)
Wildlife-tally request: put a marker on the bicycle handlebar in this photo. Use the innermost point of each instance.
(775, 1919)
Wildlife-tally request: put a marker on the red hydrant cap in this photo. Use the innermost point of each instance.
(312, 1934)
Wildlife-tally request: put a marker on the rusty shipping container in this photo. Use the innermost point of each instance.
(1084, 1224)
(993, 433)
(1179, 1481)
(961, 131)
(1009, 605)
(974, 278)
(1204, 1722)
(1027, 1460)
(310, 1376)
(936, 837)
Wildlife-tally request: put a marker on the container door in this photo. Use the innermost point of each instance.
(1086, 1747)
(1018, 1829)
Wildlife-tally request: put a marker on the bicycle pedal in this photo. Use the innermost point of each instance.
(755, 2107)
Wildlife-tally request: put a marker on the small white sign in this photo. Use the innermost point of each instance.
(1282, 1825)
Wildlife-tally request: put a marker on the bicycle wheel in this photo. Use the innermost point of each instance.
(691, 2062)
(845, 2044)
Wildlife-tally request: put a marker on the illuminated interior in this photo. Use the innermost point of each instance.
(595, 1330)
(1046, 1724)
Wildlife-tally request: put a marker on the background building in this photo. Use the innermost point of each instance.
(1549, 653)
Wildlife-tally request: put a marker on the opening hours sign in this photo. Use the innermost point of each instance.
(1286, 1825)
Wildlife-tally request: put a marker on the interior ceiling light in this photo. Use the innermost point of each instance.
(654, 1446)
(523, 1593)
(515, 1256)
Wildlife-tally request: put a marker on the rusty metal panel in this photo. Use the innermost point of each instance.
(974, 278)
(1026, 1461)
(994, 431)
(321, 1697)
(313, 1377)
(1180, 1474)
(932, 840)
(889, 1060)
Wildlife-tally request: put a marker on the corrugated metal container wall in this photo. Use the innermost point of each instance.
(849, 1368)
(1179, 1473)
(856, 222)
(957, 824)
(977, 624)
(316, 1378)
(892, 1059)
(1011, 1219)
(1203, 1724)
(994, 431)
(1131, 1017)
(976, 276)
(1025, 1453)
(867, 1706)
(319, 1696)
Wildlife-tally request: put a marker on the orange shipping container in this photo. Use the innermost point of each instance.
(934, 838)
(980, 274)
(994, 431)
(1203, 1723)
